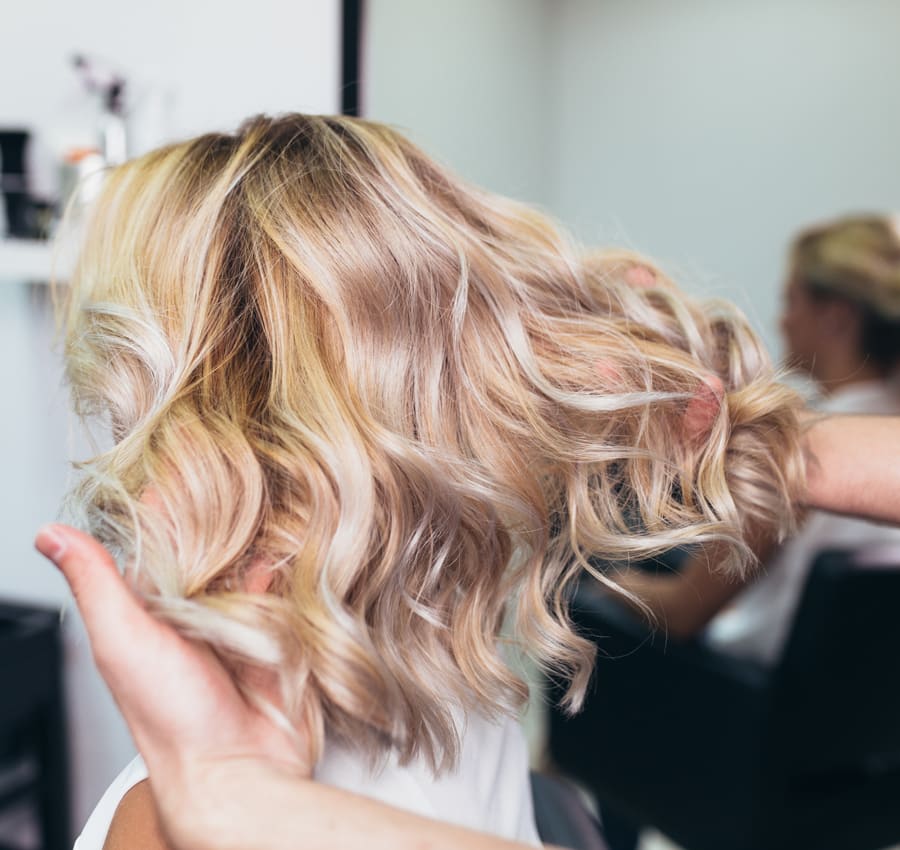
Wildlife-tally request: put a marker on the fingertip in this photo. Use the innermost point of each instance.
(716, 385)
(78, 556)
(640, 277)
(703, 408)
(50, 541)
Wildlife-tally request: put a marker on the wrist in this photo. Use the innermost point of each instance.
(233, 803)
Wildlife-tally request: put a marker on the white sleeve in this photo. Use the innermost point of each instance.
(93, 836)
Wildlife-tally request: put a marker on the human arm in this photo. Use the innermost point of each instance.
(222, 776)
(853, 466)
(256, 808)
(683, 603)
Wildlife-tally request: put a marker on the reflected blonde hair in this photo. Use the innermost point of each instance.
(412, 407)
(856, 257)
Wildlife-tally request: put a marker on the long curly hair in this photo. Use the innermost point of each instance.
(371, 422)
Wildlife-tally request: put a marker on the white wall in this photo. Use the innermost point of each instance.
(706, 133)
(466, 80)
(36, 433)
(197, 66)
(192, 66)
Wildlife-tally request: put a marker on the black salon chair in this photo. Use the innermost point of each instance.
(562, 817)
(33, 749)
(721, 754)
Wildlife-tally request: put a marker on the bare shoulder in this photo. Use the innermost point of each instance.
(135, 825)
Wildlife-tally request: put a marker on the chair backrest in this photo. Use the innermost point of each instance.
(836, 691)
(562, 818)
(32, 720)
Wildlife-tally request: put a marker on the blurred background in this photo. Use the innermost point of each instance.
(702, 133)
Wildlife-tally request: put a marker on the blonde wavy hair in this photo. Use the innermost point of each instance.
(856, 259)
(855, 256)
(365, 414)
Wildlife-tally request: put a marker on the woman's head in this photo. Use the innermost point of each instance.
(843, 298)
(403, 408)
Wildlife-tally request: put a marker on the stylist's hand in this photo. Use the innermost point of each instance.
(191, 724)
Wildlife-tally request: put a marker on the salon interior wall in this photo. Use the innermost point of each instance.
(191, 66)
(188, 77)
(706, 133)
(701, 132)
(466, 79)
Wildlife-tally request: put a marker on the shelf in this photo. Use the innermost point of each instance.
(25, 260)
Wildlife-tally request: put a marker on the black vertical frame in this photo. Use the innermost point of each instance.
(351, 56)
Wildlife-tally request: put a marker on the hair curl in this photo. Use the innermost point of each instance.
(403, 408)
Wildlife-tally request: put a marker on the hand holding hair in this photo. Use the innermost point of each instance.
(185, 712)
(224, 777)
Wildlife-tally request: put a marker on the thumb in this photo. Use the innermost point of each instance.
(108, 607)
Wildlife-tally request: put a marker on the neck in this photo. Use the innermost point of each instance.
(845, 372)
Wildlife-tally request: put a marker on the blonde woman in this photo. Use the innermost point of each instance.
(207, 746)
(370, 422)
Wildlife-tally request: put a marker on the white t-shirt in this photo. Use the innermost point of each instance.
(757, 623)
(489, 791)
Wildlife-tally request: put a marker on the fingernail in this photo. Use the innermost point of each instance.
(50, 543)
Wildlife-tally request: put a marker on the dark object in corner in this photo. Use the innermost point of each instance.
(14, 180)
(26, 217)
(352, 22)
(33, 745)
(723, 753)
(562, 818)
